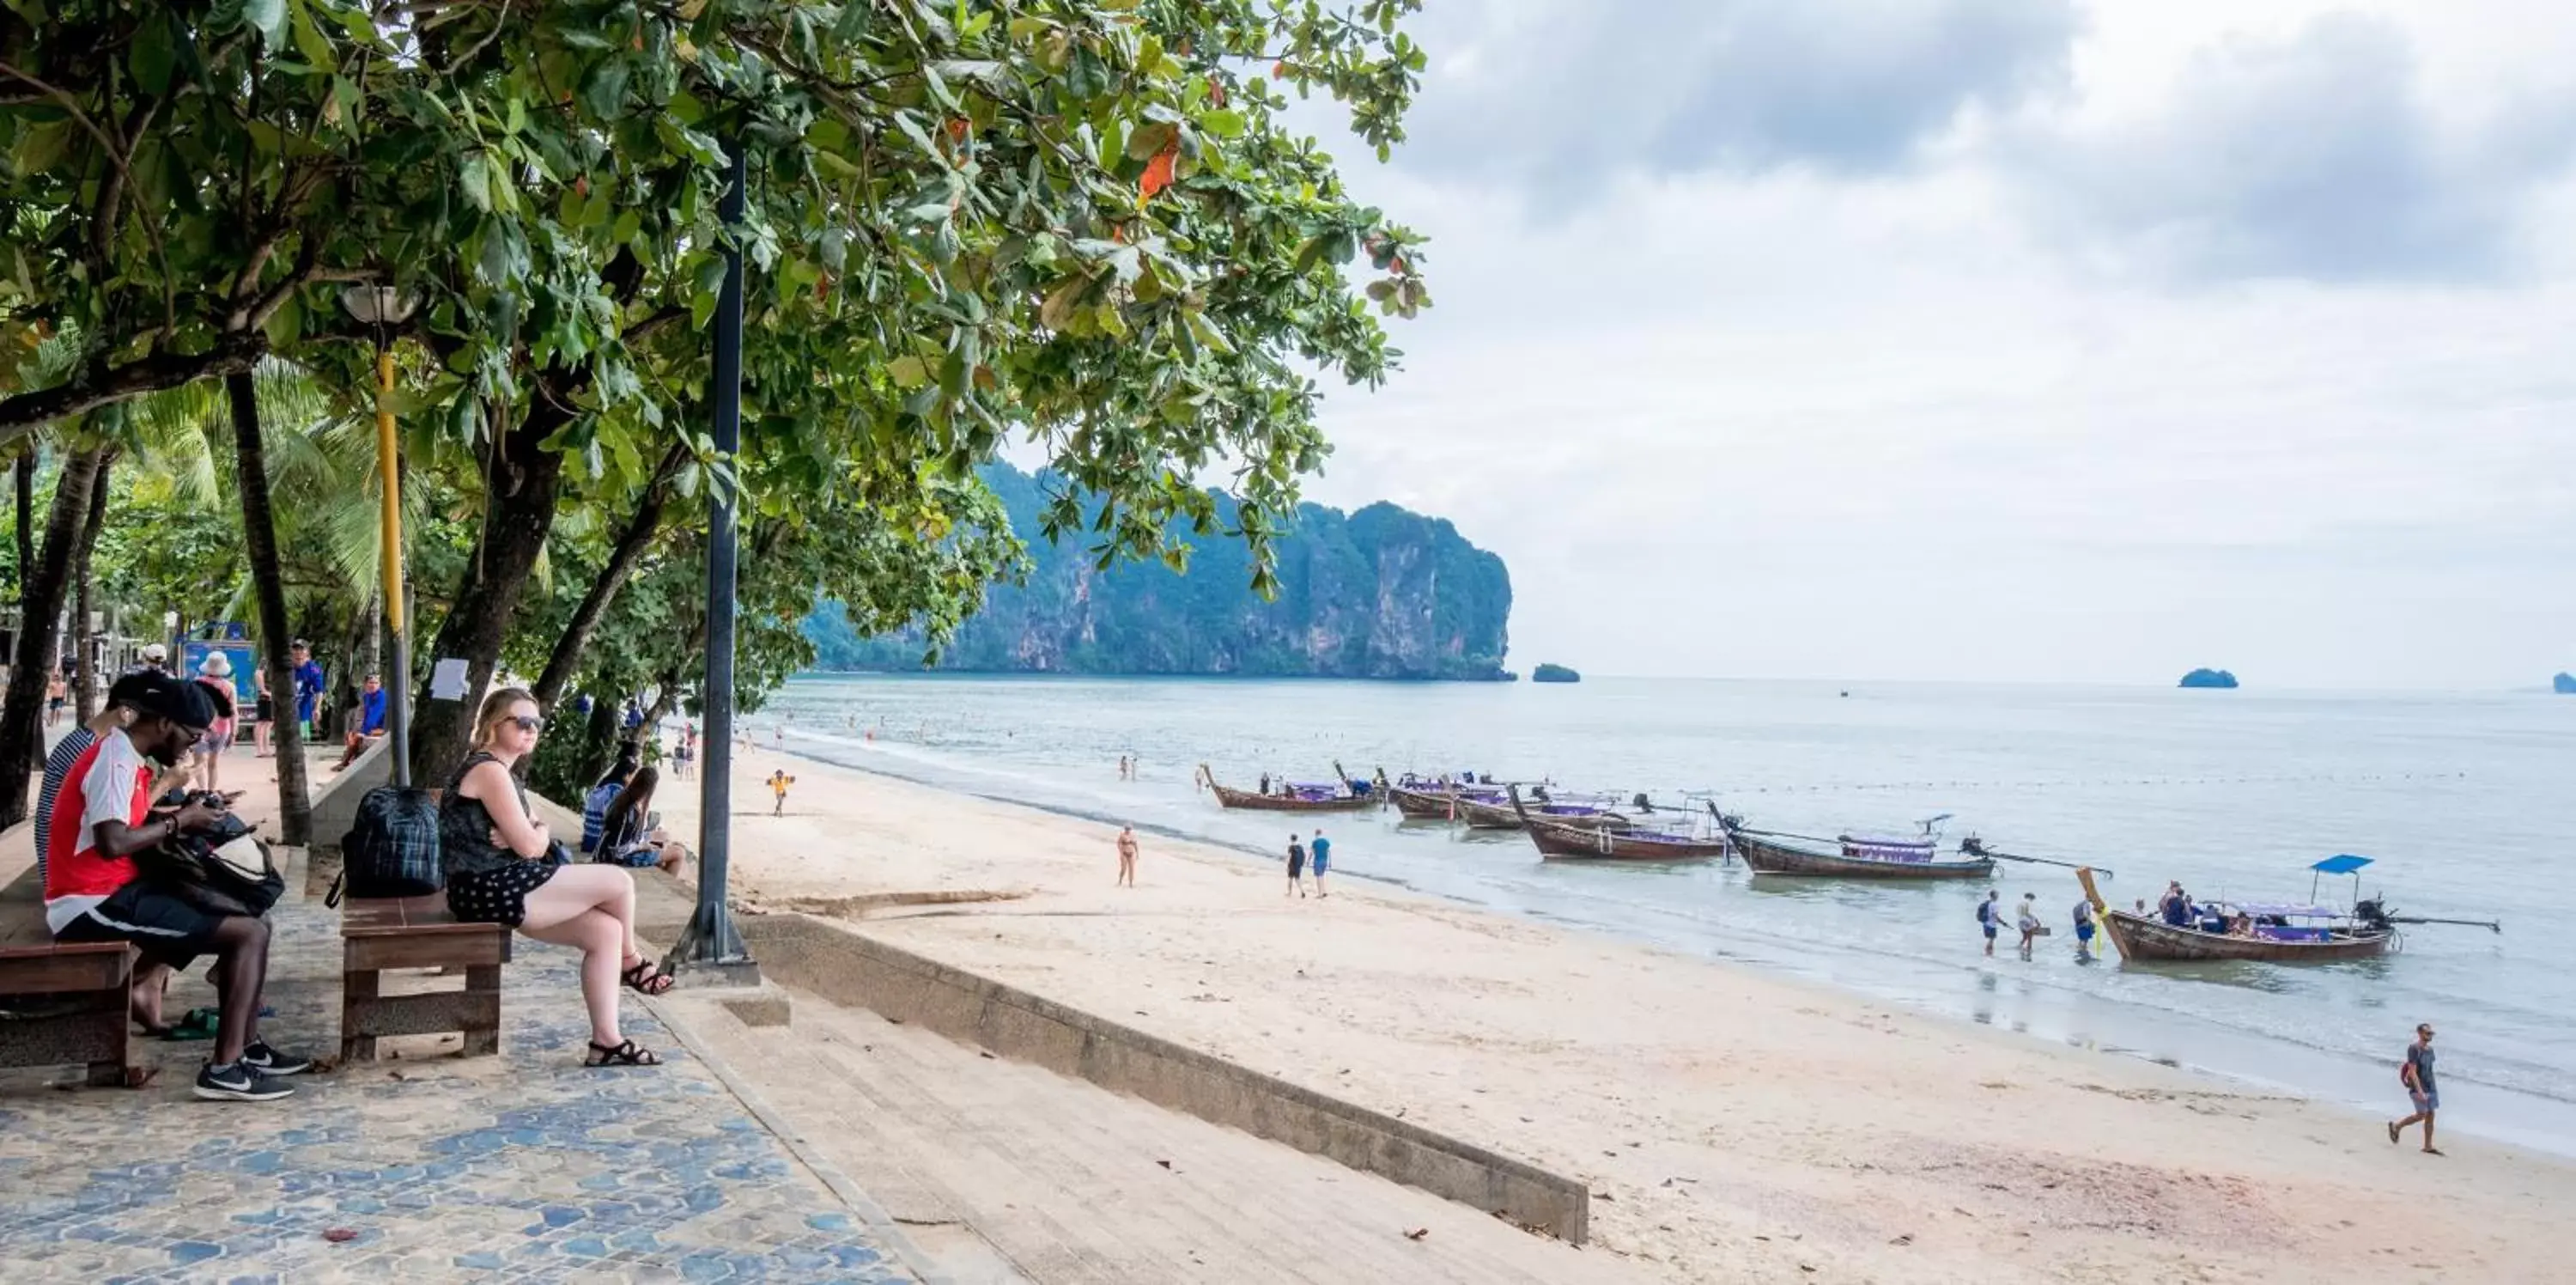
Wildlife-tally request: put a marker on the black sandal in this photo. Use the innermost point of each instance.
(626, 1054)
(644, 979)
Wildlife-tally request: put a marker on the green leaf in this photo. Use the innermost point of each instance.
(267, 17)
(473, 181)
(310, 41)
(152, 57)
(1148, 140)
(908, 372)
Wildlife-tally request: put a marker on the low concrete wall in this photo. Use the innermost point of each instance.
(863, 972)
(335, 805)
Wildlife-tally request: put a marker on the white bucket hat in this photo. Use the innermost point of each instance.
(216, 665)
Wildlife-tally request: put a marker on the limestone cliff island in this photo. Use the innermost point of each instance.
(1549, 673)
(2209, 678)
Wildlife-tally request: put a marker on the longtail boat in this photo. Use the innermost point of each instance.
(1850, 856)
(1510, 814)
(1557, 841)
(1420, 799)
(1296, 797)
(2276, 933)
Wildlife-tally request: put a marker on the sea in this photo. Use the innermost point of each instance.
(2465, 803)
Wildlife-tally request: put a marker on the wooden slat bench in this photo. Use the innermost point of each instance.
(62, 1003)
(377, 934)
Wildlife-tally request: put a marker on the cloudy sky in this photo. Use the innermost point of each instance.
(1987, 339)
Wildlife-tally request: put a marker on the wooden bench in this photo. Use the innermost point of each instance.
(377, 934)
(62, 1003)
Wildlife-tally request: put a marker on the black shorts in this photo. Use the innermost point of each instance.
(267, 714)
(169, 930)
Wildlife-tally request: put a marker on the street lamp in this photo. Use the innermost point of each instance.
(382, 308)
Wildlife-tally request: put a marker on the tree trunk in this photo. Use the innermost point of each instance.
(518, 513)
(26, 471)
(22, 735)
(87, 689)
(622, 560)
(268, 592)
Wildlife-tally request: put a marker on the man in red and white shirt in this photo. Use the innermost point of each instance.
(94, 890)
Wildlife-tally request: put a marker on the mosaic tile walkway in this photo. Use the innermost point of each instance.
(521, 1167)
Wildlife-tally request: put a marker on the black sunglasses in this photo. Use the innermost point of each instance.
(527, 723)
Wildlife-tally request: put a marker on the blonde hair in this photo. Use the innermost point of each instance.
(496, 707)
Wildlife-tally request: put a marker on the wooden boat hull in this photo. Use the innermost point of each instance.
(1767, 858)
(1422, 805)
(1501, 816)
(1568, 843)
(2153, 940)
(1250, 801)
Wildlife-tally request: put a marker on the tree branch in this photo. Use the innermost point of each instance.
(98, 384)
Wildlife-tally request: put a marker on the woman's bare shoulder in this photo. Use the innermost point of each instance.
(485, 780)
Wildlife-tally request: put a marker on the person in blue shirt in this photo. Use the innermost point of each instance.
(371, 719)
(1322, 848)
(308, 686)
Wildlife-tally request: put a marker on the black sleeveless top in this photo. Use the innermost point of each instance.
(465, 826)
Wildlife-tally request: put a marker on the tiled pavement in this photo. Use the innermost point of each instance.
(526, 1166)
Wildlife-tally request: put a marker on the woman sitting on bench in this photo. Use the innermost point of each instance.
(502, 868)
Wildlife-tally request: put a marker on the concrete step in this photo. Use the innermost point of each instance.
(1066, 1179)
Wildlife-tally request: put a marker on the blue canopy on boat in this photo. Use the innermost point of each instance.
(2342, 864)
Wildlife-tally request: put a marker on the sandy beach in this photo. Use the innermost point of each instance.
(1733, 1125)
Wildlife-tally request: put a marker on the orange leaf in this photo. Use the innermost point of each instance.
(1158, 173)
(957, 127)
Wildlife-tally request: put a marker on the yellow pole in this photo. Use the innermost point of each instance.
(398, 677)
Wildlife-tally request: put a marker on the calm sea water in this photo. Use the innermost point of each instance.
(2464, 800)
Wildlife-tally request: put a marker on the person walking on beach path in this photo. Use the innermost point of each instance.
(2417, 1074)
(1127, 856)
(1296, 867)
(2030, 925)
(1323, 861)
(778, 783)
(1990, 916)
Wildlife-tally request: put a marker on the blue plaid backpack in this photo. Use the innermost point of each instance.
(392, 850)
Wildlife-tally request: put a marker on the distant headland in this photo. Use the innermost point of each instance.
(2564, 684)
(2209, 678)
(1548, 673)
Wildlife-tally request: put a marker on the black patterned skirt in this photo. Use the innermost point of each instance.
(499, 895)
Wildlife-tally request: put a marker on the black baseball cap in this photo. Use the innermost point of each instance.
(176, 699)
(129, 688)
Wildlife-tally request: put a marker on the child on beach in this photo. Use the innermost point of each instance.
(778, 783)
(1296, 867)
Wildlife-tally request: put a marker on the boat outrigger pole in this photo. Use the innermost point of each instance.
(1976, 847)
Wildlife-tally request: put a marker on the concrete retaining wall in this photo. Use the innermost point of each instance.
(863, 972)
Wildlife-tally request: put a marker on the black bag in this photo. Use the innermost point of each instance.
(392, 850)
(222, 870)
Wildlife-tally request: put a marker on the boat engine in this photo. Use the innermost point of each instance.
(2372, 915)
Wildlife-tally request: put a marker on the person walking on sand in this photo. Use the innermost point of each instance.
(778, 783)
(2417, 1075)
(1323, 849)
(1990, 916)
(1127, 856)
(2030, 925)
(1296, 867)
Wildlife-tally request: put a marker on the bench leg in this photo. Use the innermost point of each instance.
(356, 986)
(483, 1037)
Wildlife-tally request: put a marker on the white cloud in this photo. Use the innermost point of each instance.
(2080, 410)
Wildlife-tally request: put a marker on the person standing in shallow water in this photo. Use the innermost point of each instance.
(1990, 914)
(1127, 856)
(2417, 1073)
(2030, 925)
(1296, 867)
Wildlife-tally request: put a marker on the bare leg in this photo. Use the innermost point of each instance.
(2429, 1148)
(241, 970)
(144, 1001)
(575, 889)
(600, 938)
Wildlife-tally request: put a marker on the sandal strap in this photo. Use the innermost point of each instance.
(627, 1053)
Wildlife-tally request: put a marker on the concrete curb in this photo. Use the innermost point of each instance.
(844, 966)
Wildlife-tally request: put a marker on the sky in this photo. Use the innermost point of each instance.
(1995, 339)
